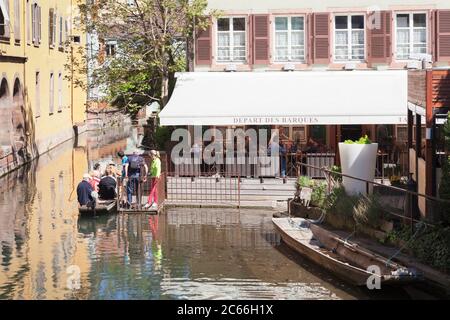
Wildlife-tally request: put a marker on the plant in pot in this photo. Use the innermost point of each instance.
(358, 159)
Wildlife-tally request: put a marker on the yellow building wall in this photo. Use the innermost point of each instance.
(46, 129)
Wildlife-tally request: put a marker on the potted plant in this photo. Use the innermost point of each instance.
(358, 159)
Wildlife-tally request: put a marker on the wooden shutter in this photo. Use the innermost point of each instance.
(50, 27)
(432, 33)
(39, 24)
(321, 38)
(34, 23)
(379, 31)
(443, 35)
(203, 50)
(260, 38)
(17, 20)
(28, 23)
(7, 22)
(310, 38)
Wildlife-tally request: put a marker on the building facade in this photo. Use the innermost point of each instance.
(40, 104)
(331, 35)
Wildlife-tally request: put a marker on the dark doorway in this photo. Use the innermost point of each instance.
(351, 132)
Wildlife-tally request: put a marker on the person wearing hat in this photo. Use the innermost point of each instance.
(84, 191)
(155, 173)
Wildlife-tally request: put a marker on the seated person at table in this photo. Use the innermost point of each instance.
(108, 184)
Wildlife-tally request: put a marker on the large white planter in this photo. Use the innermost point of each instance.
(358, 160)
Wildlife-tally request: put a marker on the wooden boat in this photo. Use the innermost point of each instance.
(103, 207)
(347, 260)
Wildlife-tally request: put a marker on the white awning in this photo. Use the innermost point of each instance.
(288, 98)
(4, 10)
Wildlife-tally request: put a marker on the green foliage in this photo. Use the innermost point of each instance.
(154, 41)
(162, 135)
(444, 186)
(319, 190)
(362, 140)
(431, 246)
(336, 170)
(353, 210)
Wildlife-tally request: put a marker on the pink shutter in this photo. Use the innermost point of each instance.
(379, 37)
(432, 33)
(260, 39)
(203, 50)
(250, 39)
(321, 41)
(310, 38)
(443, 35)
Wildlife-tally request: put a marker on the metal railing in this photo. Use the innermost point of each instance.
(221, 188)
(139, 190)
(404, 204)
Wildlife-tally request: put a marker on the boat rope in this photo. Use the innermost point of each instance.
(420, 225)
(349, 236)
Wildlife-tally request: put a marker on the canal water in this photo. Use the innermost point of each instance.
(47, 252)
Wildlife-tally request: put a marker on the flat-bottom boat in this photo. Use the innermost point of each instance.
(101, 208)
(347, 260)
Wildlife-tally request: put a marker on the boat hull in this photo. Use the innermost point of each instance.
(304, 241)
(102, 208)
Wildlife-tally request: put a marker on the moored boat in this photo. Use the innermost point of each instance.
(344, 258)
(101, 208)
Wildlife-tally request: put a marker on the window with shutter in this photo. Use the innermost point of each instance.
(203, 48)
(289, 42)
(349, 38)
(60, 32)
(60, 97)
(17, 21)
(5, 19)
(37, 92)
(443, 35)
(52, 93)
(51, 24)
(39, 24)
(261, 39)
(321, 40)
(231, 39)
(411, 35)
(28, 24)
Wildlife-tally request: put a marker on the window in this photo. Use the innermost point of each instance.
(36, 24)
(61, 32)
(349, 38)
(28, 22)
(60, 87)
(411, 34)
(289, 39)
(231, 39)
(111, 48)
(4, 19)
(17, 21)
(52, 28)
(38, 94)
(51, 106)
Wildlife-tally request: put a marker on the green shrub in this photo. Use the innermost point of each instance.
(319, 190)
(430, 246)
(362, 140)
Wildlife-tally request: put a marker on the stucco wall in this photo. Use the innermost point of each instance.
(265, 6)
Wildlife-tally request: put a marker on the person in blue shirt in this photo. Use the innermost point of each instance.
(124, 160)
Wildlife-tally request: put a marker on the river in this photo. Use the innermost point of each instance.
(47, 252)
